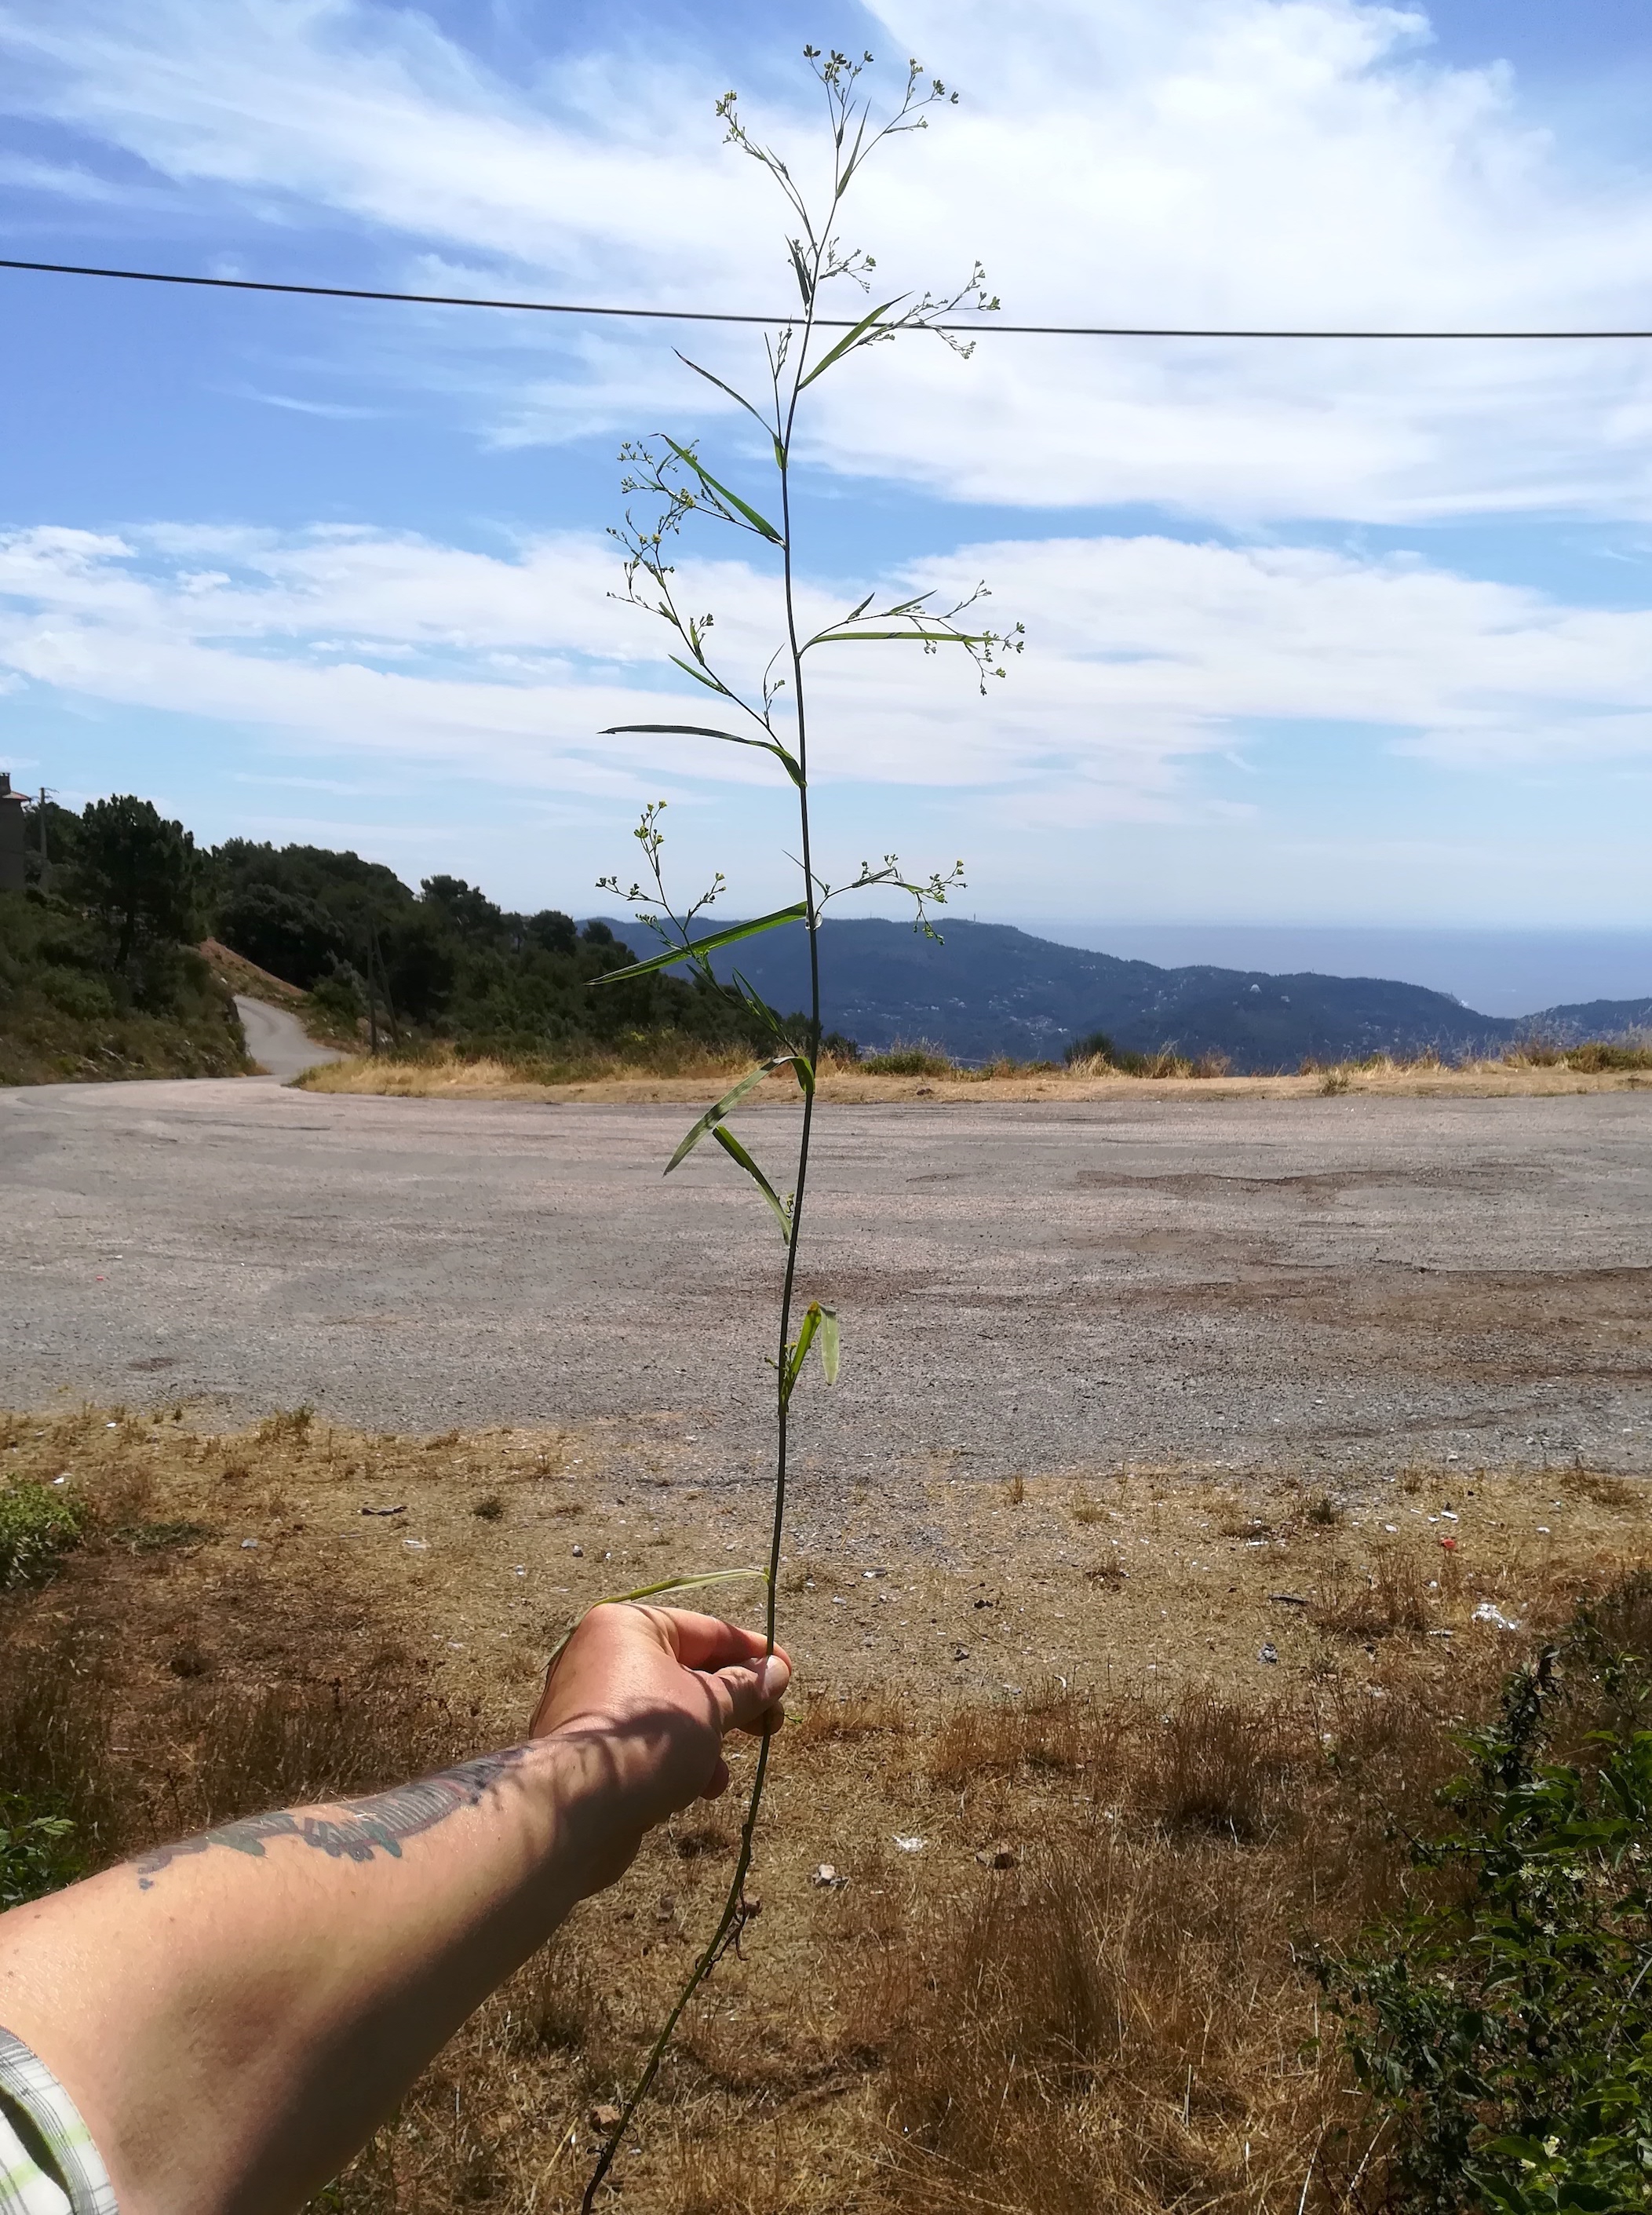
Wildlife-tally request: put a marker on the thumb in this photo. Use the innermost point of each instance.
(753, 1687)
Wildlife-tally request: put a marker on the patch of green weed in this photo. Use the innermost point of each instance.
(36, 1524)
(1505, 2022)
(37, 1851)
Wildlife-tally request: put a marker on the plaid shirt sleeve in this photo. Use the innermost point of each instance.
(48, 2164)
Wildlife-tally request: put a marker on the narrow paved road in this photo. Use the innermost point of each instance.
(1325, 1283)
(278, 1042)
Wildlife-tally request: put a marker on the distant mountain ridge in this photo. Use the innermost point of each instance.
(990, 989)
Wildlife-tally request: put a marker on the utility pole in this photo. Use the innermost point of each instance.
(372, 1001)
(14, 864)
(390, 1022)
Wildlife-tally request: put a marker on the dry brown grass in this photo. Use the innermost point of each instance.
(683, 1078)
(243, 976)
(1600, 1486)
(1079, 1990)
(441, 1074)
(1151, 1068)
(1592, 1056)
(1390, 1597)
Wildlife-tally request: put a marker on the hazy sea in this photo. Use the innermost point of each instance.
(1497, 973)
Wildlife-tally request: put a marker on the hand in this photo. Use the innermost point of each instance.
(652, 1692)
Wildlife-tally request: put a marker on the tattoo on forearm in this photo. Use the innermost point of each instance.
(362, 1828)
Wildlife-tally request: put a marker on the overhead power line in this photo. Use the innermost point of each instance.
(989, 327)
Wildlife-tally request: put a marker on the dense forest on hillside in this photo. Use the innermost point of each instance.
(445, 961)
(99, 974)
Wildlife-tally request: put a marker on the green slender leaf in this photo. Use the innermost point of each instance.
(831, 1343)
(729, 1101)
(721, 387)
(694, 1583)
(921, 637)
(853, 162)
(700, 731)
(737, 1152)
(818, 1322)
(850, 339)
(684, 1584)
(699, 675)
(803, 286)
(760, 1008)
(758, 523)
(797, 1353)
(709, 944)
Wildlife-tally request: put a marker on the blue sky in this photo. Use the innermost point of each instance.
(1317, 635)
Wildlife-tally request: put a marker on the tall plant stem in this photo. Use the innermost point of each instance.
(685, 487)
(736, 1913)
(811, 923)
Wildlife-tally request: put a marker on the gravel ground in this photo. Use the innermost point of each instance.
(1325, 1285)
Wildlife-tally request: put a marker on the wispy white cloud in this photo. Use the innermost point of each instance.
(341, 411)
(1148, 656)
(63, 179)
(1115, 160)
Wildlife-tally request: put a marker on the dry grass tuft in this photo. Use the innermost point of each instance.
(1390, 1599)
(851, 1716)
(1220, 1767)
(57, 1714)
(1052, 1731)
(290, 1426)
(293, 1743)
(1236, 1519)
(1602, 1487)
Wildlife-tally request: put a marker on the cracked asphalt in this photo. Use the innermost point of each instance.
(1333, 1284)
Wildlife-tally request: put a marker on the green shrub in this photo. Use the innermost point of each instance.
(340, 997)
(1597, 1055)
(36, 1855)
(68, 1010)
(36, 1524)
(73, 992)
(1507, 2022)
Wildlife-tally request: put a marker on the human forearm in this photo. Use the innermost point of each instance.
(278, 1983)
(233, 2014)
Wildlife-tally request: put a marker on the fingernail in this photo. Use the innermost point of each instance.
(773, 1676)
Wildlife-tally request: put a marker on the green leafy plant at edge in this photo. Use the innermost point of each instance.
(1506, 2023)
(36, 1524)
(772, 717)
(36, 1853)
